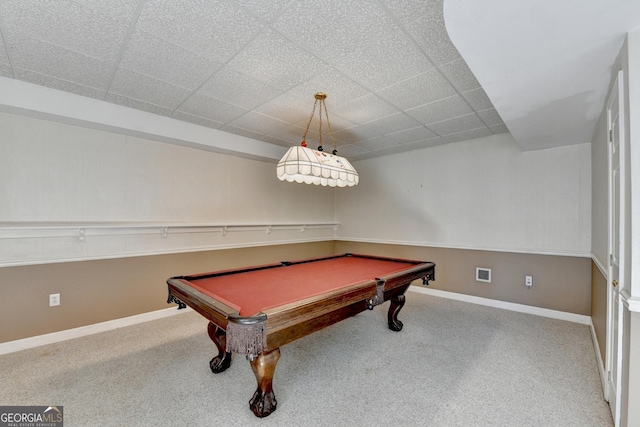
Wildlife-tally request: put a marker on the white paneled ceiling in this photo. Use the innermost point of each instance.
(395, 82)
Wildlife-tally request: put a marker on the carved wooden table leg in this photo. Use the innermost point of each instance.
(397, 303)
(263, 401)
(222, 361)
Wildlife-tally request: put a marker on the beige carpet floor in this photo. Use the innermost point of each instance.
(453, 364)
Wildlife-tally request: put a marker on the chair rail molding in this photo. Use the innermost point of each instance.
(23, 243)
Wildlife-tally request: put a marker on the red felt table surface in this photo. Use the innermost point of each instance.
(255, 291)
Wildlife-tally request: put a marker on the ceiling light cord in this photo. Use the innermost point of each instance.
(319, 103)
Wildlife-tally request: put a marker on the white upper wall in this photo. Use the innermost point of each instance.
(57, 172)
(482, 194)
(57, 179)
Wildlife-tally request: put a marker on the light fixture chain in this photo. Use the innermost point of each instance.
(320, 123)
(304, 137)
(326, 112)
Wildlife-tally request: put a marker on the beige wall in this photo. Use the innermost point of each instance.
(599, 307)
(98, 291)
(560, 282)
(102, 290)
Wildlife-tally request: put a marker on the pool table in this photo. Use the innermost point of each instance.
(255, 310)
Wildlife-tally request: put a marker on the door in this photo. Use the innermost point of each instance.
(616, 247)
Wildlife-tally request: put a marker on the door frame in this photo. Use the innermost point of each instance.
(615, 321)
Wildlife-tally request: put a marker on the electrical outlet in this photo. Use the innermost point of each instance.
(528, 281)
(54, 299)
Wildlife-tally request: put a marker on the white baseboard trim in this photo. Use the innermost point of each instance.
(596, 347)
(529, 309)
(54, 337)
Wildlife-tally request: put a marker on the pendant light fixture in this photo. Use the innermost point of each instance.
(305, 165)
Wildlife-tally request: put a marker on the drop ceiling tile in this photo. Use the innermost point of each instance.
(288, 108)
(409, 10)
(393, 123)
(196, 120)
(467, 135)
(5, 66)
(118, 9)
(339, 88)
(291, 133)
(355, 134)
(5, 70)
(45, 58)
(334, 28)
(438, 111)
(376, 143)
(385, 147)
(265, 10)
(240, 55)
(458, 124)
(496, 129)
(257, 122)
(460, 75)
(385, 62)
(478, 99)
(4, 58)
(238, 89)
(210, 108)
(431, 35)
(276, 61)
(54, 83)
(137, 104)
(365, 109)
(362, 156)
(298, 113)
(66, 24)
(419, 90)
(147, 89)
(213, 28)
(490, 117)
(389, 150)
(396, 139)
(419, 133)
(157, 58)
(336, 122)
(419, 145)
(350, 150)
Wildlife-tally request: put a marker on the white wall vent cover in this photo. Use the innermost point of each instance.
(483, 274)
